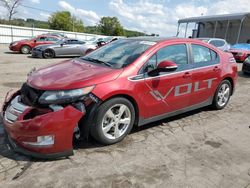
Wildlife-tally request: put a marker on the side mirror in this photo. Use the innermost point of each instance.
(164, 66)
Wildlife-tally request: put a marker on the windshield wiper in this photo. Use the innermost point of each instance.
(97, 61)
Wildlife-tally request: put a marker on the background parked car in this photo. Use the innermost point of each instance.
(246, 66)
(219, 43)
(64, 47)
(25, 46)
(57, 34)
(240, 51)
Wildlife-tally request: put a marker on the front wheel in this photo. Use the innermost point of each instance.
(222, 95)
(25, 49)
(48, 54)
(114, 120)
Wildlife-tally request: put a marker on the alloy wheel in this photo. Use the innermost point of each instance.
(116, 121)
(223, 94)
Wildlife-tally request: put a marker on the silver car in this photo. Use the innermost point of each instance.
(64, 47)
(219, 43)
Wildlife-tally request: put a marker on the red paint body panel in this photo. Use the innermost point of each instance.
(110, 82)
(60, 124)
(30, 42)
(71, 74)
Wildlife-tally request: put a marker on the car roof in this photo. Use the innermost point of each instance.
(150, 39)
(162, 39)
(44, 35)
(210, 39)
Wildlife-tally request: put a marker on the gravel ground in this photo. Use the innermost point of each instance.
(202, 148)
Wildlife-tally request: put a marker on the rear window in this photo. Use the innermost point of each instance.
(217, 43)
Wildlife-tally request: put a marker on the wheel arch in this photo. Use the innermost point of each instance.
(231, 82)
(133, 102)
(25, 45)
(51, 49)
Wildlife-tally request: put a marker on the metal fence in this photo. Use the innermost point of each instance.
(10, 33)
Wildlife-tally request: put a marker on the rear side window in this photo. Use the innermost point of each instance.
(41, 39)
(202, 54)
(53, 39)
(217, 43)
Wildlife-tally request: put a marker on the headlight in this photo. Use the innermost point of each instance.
(66, 96)
(14, 44)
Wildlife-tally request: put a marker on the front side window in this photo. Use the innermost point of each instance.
(176, 53)
(70, 42)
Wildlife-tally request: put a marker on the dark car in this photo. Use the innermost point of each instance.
(128, 82)
(246, 66)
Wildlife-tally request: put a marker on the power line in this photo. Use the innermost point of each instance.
(34, 8)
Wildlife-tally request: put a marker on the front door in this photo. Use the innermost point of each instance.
(168, 91)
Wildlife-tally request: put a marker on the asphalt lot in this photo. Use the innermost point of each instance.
(202, 148)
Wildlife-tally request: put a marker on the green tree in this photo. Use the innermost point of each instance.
(63, 20)
(111, 26)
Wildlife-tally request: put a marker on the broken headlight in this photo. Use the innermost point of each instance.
(65, 96)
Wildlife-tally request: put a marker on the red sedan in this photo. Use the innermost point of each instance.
(129, 82)
(25, 46)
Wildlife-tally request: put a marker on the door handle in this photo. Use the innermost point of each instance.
(186, 75)
(216, 69)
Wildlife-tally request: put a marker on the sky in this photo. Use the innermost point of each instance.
(150, 16)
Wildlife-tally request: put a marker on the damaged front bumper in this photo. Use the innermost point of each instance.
(41, 133)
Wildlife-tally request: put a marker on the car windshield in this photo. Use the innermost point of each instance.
(120, 53)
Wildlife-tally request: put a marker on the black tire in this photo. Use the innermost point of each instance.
(88, 51)
(216, 101)
(97, 131)
(25, 49)
(48, 54)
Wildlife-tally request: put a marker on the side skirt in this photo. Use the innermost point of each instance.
(143, 121)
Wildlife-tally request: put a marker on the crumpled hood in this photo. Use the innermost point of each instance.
(71, 74)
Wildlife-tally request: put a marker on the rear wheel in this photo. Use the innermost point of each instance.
(114, 120)
(48, 54)
(25, 49)
(222, 95)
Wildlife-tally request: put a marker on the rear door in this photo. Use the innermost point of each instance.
(206, 73)
(169, 91)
